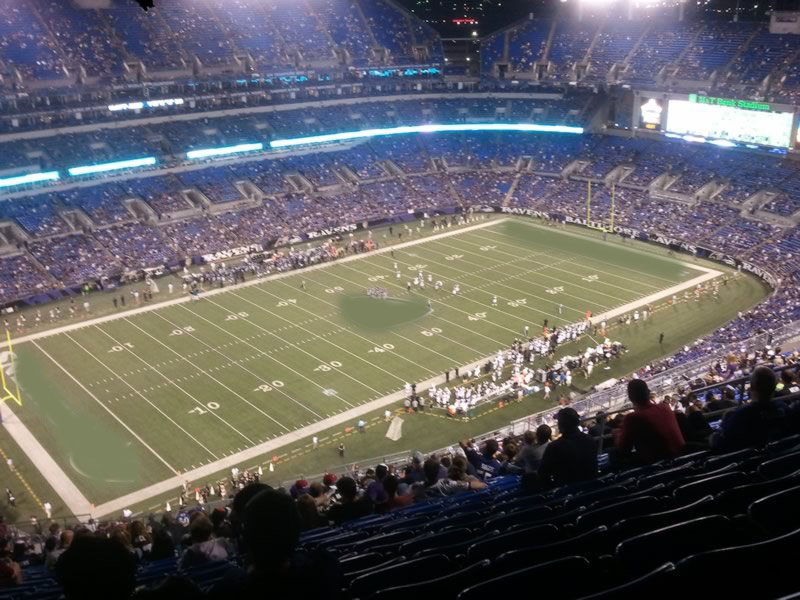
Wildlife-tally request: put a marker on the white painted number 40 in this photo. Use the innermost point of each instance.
(382, 348)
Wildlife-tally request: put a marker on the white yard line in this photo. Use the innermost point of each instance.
(138, 393)
(345, 350)
(353, 333)
(526, 272)
(575, 234)
(61, 482)
(256, 281)
(73, 498)
(573, 260)
(433, 315)
(487, 306)
(209, 375)
(173, 383)
(202, 474)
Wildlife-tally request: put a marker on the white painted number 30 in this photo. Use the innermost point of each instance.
(236, 316)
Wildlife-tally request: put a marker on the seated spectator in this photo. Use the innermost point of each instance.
(163, 546)
(309, 515)
(570, 458)
(530, 456)
(375, 490)
(788, 385)
(10, 572)
(204, 547)
(454, 482)
(271, 530)
(651, 430)
(95, 568)
(485, 462)
(759, 421)
(728, 400)
(350, 505)
(394, 500)
(63, 544)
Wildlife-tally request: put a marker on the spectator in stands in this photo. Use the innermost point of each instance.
(395, 500)
(271, 530)
(759, 421)
(204, 546)
(10, 572)
(163, 545)
(376, 490)
(789, 384)
(651, 432)
(309, 515)
(351, 505)
(96, 568)
(454, 482)
(485, 462)
(530, 456)
(713, 404)
(570, 458)
(63, 545)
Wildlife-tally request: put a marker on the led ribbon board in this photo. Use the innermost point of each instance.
(353, 135)
(32, 178)
(207, 152)
(112, 166)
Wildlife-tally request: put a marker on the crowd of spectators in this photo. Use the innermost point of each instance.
(298, 540)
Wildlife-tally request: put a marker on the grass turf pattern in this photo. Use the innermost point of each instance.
(125, 403)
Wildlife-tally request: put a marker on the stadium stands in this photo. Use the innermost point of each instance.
(476, 519)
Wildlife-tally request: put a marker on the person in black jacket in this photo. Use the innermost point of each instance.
(572, 457)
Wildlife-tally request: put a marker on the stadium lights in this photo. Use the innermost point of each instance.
(112, 166)
(207, 152)
(364, 133)
(31, 178)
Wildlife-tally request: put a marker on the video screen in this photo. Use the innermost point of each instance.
(762, 127)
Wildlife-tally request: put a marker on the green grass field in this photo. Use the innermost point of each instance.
(129, 402)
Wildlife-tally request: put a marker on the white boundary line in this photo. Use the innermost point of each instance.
(29, 444)
(52, 472)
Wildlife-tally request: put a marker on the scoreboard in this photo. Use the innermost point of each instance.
(720, 121)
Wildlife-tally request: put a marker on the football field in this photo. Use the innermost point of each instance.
(121, 409)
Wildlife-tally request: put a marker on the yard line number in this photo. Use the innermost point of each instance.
(201, 411)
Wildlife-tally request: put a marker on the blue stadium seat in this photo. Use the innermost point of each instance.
(674, 542)
(409, 571)
(589, 543)
(777, 513)
(446, 586)
(648, 585)
(773, 559)
(611, 513)
(571, 575)
(525, 537)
